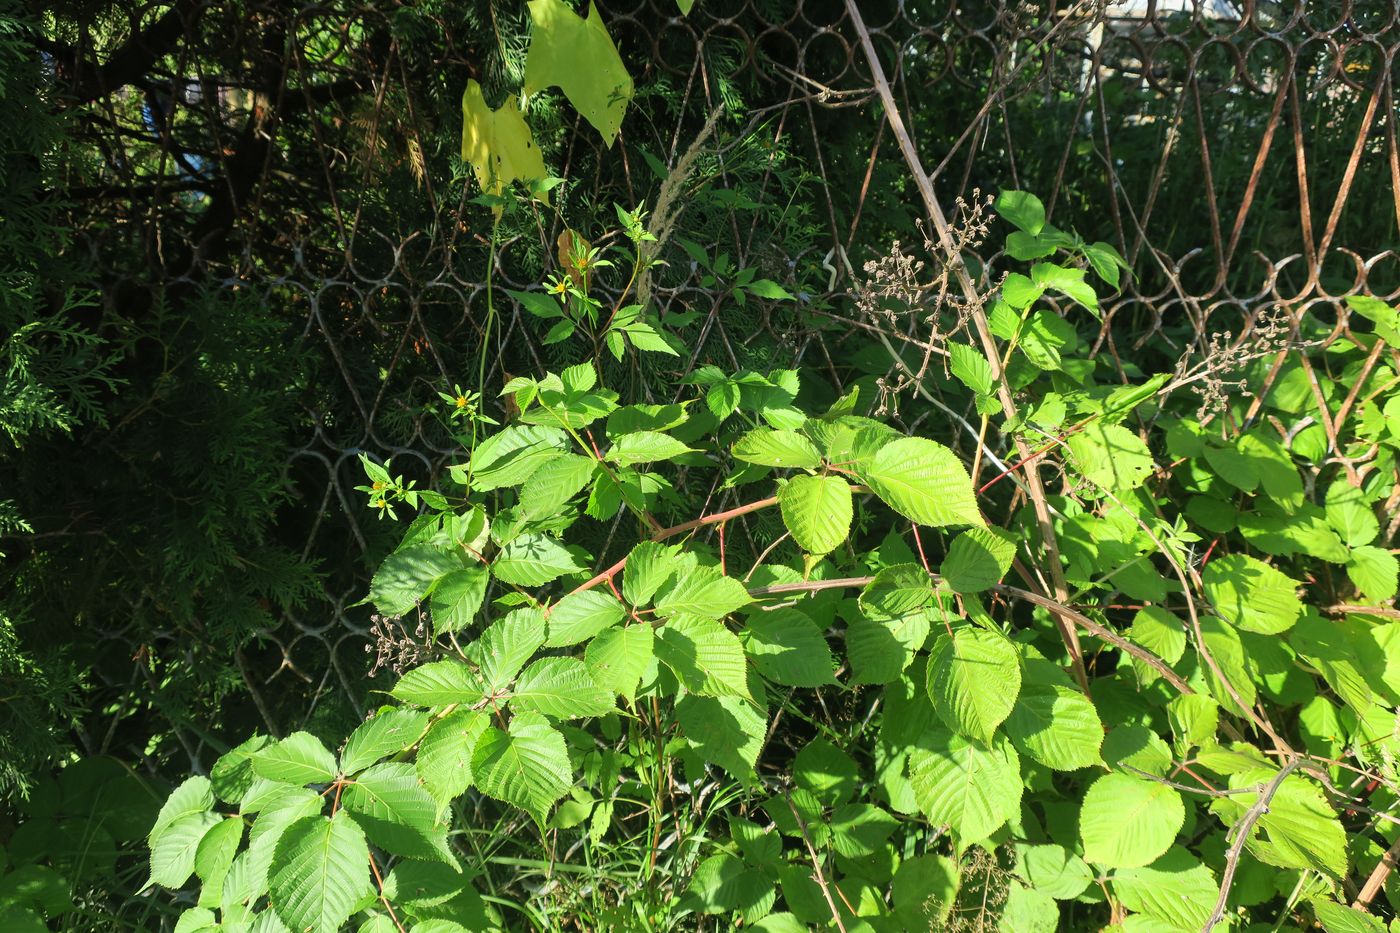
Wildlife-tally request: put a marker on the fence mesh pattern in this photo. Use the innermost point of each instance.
(1242, 156)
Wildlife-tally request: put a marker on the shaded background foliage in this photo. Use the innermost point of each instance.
(239, 250)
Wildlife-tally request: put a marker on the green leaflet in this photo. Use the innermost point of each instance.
(703, 593)
(649, 567)
(788, 648)
(619, 657)
(457, 598)
(527, 767)
(439, 683)
(923, 481)
(407, 575)
(974, 677)
(1127, 821)
(1299, 830)
(396, 811)
(973, 789)
(1110, 456)
(444, 760)
(645, 447)
(579, 616)
(389, 731)
(766, 447)
(300, 758)
(706, 657)
(512, 456)
(533, 560)
(322, 870)
(817, 511)
(561, 688)
(1251, 594)
(727, 730)
(1053, 722)
(977, 559)
(1176, 889)
(555, 483)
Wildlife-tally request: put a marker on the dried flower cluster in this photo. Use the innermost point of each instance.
(395, 649)
(896, 298)
(1225, 357)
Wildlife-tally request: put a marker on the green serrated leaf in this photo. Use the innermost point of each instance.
(1110, 456)
(817, 511)
(555, 483)
(579, 616)
(1128, 822)
(977, 559)
(923, 481)
(788, 648)
(971, 368)
(973, 679)
(649, 566)
(439, 683)
(1054, 724)
(444, 760)
(1023, 209)
(397, 812)
(728, 731)
(777, 448)
(1251, 595)
(534, 560)
(505, 647)
(1374, 572)
(457, 598)
(619, 656)
(527, 767)
(321, 870)
(972, 789)
(407, 575)
(645, 447)
(703, 593)
(511, 457)
(300, 758)
(705, 656)
(388, 732)
(561, 688)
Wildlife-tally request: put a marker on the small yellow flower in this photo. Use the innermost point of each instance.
(376, 485)
(558, 288)
(460, 401)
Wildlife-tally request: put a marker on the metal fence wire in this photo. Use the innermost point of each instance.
(1241, 154)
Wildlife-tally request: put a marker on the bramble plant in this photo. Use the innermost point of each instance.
(1151, 727)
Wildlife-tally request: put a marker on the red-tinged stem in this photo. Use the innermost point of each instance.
(919, 543)
(379, 881)
(661, 534)
(1014, 467)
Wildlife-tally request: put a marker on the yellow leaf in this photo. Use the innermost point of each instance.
(497, 143)
(578, 56)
